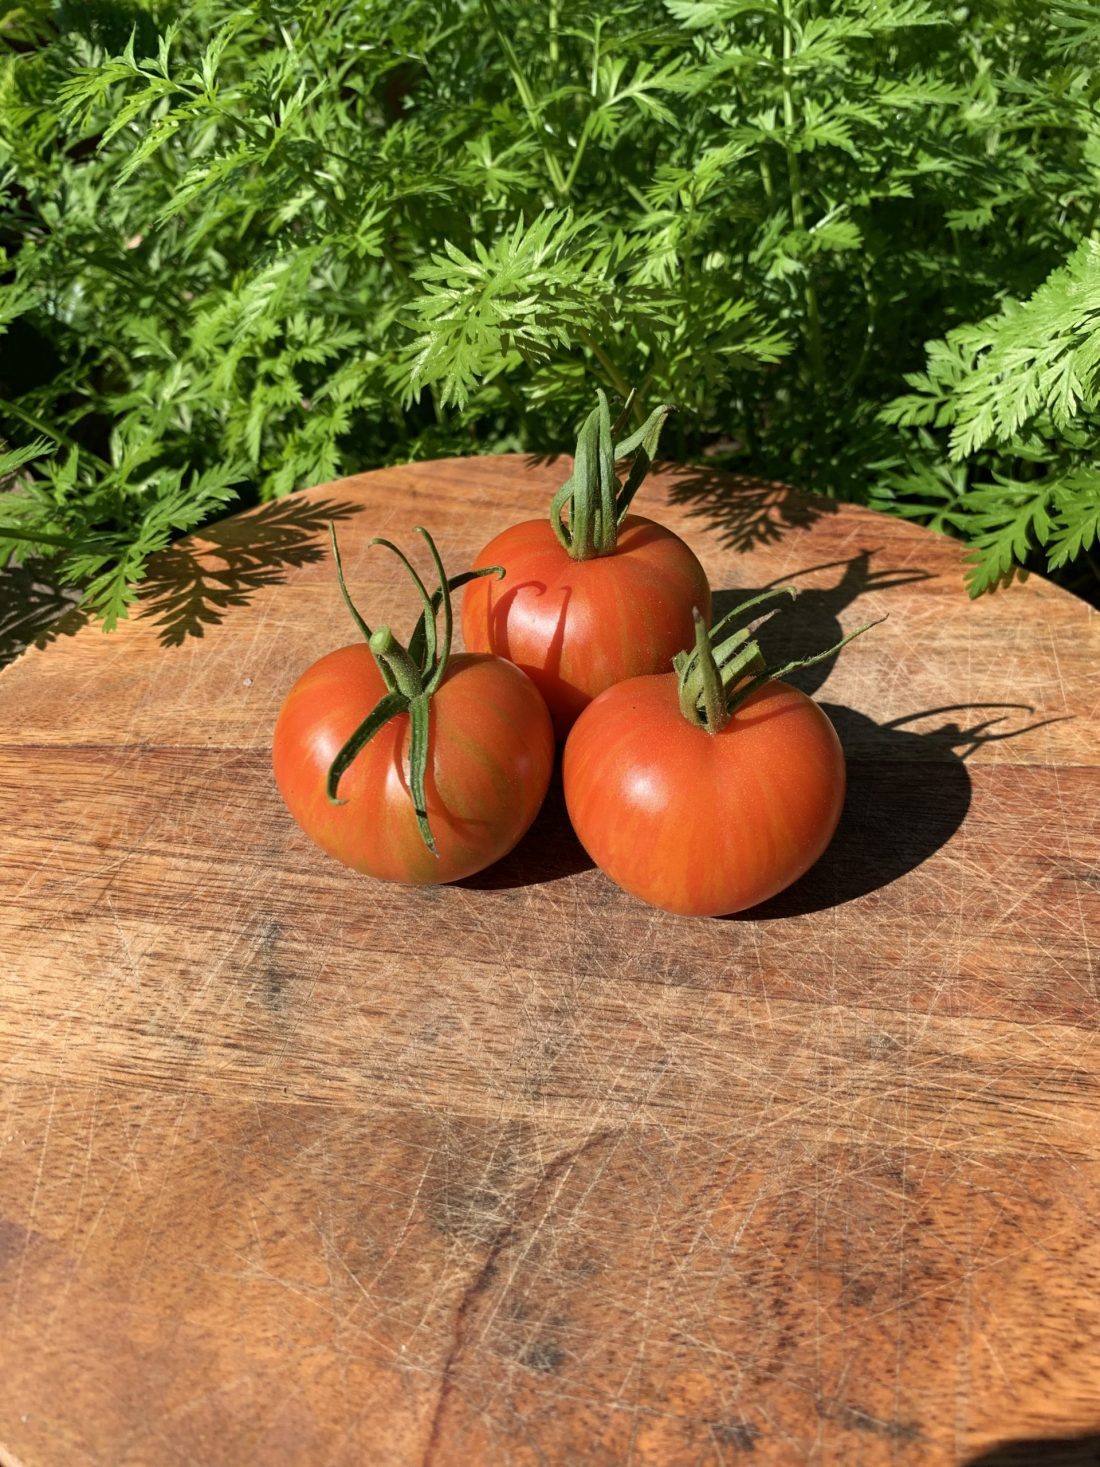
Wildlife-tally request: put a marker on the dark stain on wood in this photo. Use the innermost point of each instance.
(901, 1431)
(542, 1355)
(276, 981)
(740, 1435)
(14, 1241)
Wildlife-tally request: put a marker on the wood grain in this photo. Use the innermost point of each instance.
(296, 1168)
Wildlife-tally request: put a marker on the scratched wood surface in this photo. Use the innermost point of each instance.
(300, 1169)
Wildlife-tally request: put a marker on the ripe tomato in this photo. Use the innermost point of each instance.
(696, 822)
(594, 595)
(489, 759)
(443, 762)
(578, 626)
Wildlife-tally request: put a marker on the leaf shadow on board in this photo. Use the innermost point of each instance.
(908, 793)
(744, 509)
(1077, 1451)
(193, 583)
(549, 850)
(35, 608)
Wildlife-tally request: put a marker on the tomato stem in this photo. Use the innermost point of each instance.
(411, 674)
(419, 716)
(426, 601)
(387, 650)
(385, 709)
(724, 668)
(714, 704)
(595, 500)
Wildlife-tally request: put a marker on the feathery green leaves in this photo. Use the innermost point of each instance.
(246, 247)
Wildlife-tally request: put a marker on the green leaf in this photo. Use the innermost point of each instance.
(15, 458)
(696, 15)
(854, 242)
(1076, 525)
(526, 295)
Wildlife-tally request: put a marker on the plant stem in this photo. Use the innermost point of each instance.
(798, 211)
(714, 702)
(527, 97)
(405, 673)
(593, 496)
(36, 537)
(615, 377)
(553, 32)
(586, 130)
(400, 274)
(761, 156)
(57, 434)
(766, 178)
(869, 331)
(725, 668)
(752, 439)
(582, 143)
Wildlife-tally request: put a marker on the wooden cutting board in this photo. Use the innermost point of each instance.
(300, 1169)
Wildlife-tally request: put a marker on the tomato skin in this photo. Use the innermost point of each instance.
(578, 626)
(697, 823)
(490, 756)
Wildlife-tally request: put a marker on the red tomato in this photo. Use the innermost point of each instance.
(698, 823)
(578, 626)
(490, 755)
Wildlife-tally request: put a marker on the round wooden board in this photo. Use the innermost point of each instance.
(299, 1169)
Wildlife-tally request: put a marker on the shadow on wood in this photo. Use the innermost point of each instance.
(908, 793)
(34, 608)
(549, 850)
(908, 787)
(1080, 1451)
(812, 622)
(191, 585)
(744, 510)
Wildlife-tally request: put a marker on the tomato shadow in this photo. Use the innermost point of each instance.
(813, 621)
(908, 793)
(549, 851)
(192, 584)
(546, 675)
(1074, 1451)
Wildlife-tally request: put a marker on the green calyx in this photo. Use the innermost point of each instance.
(411, 674)
(597, 502)
(725, 666)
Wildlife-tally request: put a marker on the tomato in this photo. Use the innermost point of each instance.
(490, 756)
(409, 764)
(578, 626)
(592, 594)
(698, 822)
